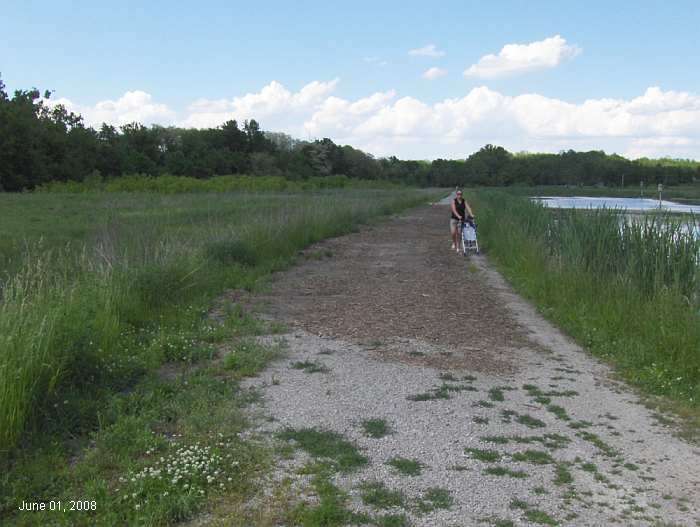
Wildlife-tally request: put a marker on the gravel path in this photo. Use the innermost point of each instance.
(496, 406)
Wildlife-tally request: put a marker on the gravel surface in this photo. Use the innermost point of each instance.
(393, 314)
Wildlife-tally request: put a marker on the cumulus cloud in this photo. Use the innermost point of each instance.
(523, 58)
(434, 73)
(654, 123)
(275, 104)
(409, 127)
(427, 51)
(133, 106)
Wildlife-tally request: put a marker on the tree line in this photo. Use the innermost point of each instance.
(40, 143)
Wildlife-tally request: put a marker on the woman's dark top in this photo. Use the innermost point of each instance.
(461, 208)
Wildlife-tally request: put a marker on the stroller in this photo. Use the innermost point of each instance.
(468, 238)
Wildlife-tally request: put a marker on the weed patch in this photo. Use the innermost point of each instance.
(310, 367)
(405, 466)
(504, 471)
(376, 428)
(488, 456)
(327, 445)
(377, 495)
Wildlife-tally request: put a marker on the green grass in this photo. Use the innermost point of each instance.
(435, 498)
(327, 445)
(529, 421)
(376, 428)
(496, 394)
(586, 272)
(559, 411)
(102, 293)
(441, 392)
(486, 455)
(562, 474)
(504, 471)
(376, 495)
(405, 466)
(247, 357)
(538, 457)
(540, 517)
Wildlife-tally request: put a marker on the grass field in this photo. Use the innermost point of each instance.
(628, 292)
(100, 293)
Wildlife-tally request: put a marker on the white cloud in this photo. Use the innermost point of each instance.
(427, 51)
(274, 104)
(434, 73)
(133, 106)
(411, 128)
(523, 58)
(655, 123)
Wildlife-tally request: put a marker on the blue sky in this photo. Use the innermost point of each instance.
(173, 54)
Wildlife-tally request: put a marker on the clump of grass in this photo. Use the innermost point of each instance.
(331, 509)
(441, 392)
(496, 394)
(540, 517)
(552, 441)
(377, 495)
(486, 455)
(310, 366)
(530, 422)
(376, 428)
(595, 440)
(589, 467)
(517, 503)
(480, 420)
(562, 474)
(576, 425)
(327, 445)
(559, 411)
(504, 471)
(435, 498)
(407, 467)
(538, 457)
(500, 440)
(247, 357)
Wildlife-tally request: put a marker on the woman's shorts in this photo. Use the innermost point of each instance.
(454, 223)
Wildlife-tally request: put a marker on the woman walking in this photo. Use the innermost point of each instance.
(460, 210)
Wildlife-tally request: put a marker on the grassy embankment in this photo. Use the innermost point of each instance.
(116, 386)
(629, 294)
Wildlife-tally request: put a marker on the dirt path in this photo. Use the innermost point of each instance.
(503, 418)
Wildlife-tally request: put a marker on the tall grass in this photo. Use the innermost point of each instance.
(169, 184)
(627, 289)
(86, 318)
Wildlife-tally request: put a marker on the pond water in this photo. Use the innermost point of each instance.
(628, 204)
(632, 208)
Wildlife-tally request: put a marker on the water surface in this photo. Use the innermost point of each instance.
(628, 204)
